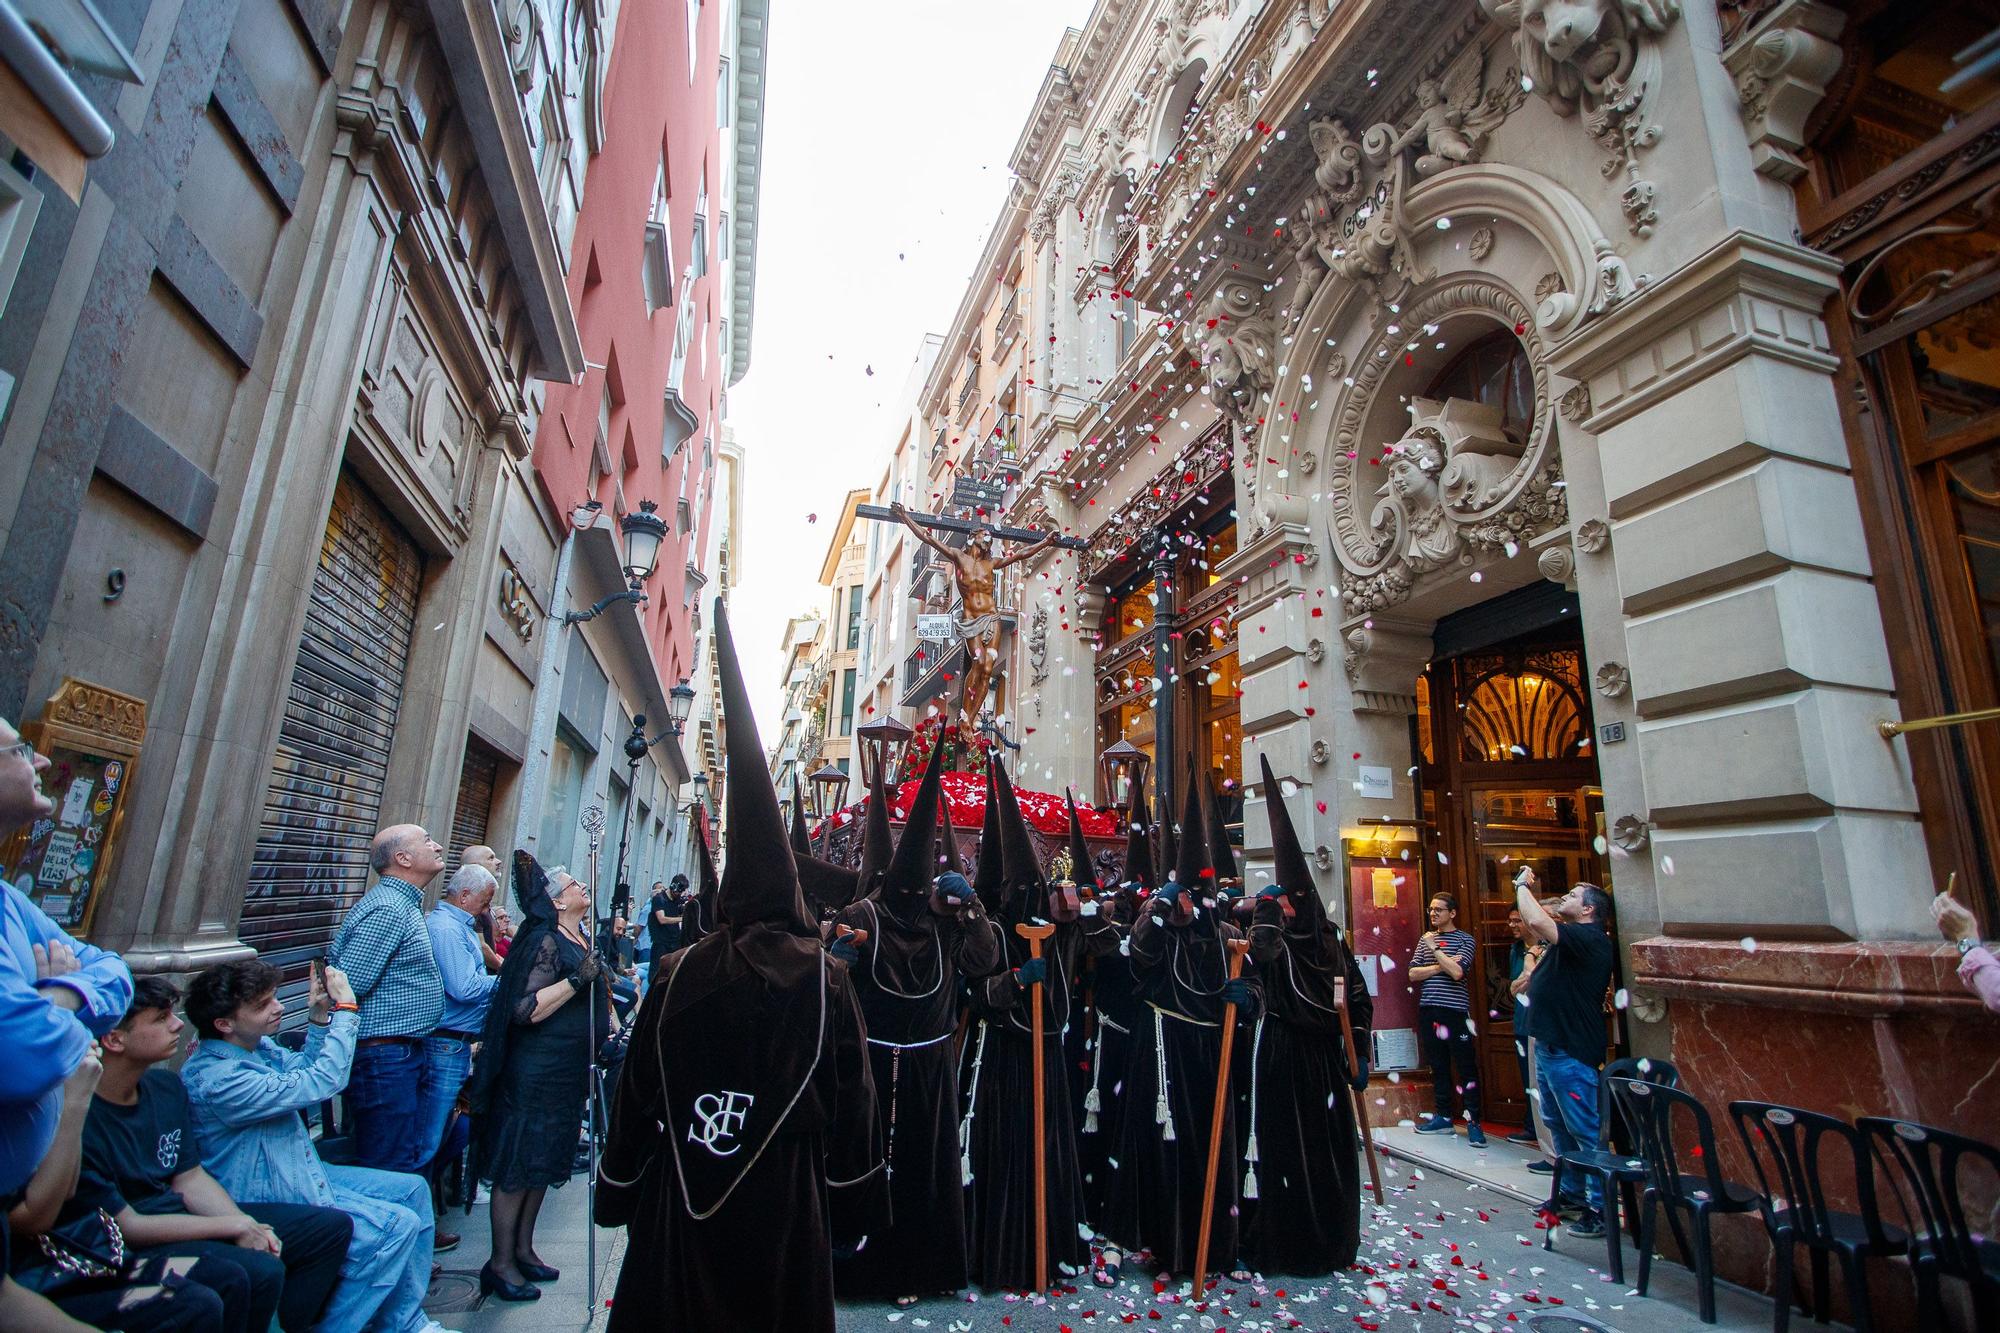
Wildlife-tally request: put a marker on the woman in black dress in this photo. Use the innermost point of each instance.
(527, 1093)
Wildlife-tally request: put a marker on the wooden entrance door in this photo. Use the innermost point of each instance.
(1511, 777)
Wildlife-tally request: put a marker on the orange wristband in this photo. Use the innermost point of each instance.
(347, 1008)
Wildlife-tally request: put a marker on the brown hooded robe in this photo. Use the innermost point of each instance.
(744, 1143)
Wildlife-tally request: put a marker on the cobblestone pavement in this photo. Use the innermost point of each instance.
(1442, 1254)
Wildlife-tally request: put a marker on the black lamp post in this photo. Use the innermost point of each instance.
(882, 743)
(636, 746)
(1121, 769)
(644, 531)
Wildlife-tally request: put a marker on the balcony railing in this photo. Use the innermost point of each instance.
(967, 393)
(1009, 323)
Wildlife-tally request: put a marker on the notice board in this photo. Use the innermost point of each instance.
(1385, 905)
(92, 737)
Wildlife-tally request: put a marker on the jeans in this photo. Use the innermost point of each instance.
(1447, 1035)
(388, 1266)
(447, 1064)
(294, 1284)
(1569, 1106)
(387, 1095)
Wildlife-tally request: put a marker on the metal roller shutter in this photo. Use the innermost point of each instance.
(332, 758)
(473, 814)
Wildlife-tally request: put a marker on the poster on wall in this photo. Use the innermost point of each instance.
(92, 737)
(1385, 900)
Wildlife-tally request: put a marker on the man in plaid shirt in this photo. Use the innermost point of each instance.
(385, 950)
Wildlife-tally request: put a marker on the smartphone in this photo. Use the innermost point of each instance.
(1521, 875)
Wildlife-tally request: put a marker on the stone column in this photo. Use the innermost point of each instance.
(1758, 667)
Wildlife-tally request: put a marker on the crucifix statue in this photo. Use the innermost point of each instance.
(973, 570)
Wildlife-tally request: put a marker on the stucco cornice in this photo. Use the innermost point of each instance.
(468, 32)
(752, 27)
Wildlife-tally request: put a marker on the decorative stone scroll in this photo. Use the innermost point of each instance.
(1781, 72)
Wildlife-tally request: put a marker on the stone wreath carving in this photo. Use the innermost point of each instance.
(1456, 483)
(1038, 645)
(1600, 58)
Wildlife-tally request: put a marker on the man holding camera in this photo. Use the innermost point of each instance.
(1566, 1019)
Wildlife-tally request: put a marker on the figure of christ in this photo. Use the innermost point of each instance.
(973, 570)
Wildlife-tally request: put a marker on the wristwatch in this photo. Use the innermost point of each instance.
(1966, 945)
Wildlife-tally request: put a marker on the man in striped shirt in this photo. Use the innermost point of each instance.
(1442, 964)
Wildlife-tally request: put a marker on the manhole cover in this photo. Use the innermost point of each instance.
(456, 1291)
(1565, 1323)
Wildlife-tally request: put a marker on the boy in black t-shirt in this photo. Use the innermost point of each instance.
(1566, 1019)
(142, 1164)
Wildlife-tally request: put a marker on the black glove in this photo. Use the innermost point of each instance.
(587, 971)
(845, 951)
(1360, 1080)
(1241, 994)
(1033, 972)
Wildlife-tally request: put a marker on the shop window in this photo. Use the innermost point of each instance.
(1136, 609)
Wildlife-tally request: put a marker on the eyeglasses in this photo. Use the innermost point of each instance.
(19, 750)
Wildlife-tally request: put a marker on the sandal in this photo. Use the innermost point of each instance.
(1241, 1275)
(905, 1302)
(1108, 1267)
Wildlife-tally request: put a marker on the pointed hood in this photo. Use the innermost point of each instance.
(827, 887)
(913, 868)
(761, 885)
(1020, 868)
(878, 843)
(986, 876)
(1191, 864)
(801, 836)
(1081, 869)
(706, 885)
(1221, 854)
(947, 838)
(1139, 844)
(1291, 870)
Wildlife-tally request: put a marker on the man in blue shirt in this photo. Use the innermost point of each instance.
(246, 1092)
(386, 953)
(467, 987)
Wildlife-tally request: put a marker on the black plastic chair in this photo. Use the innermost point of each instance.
(1788, 1148)
(1613, 1168)
(1931, 1163)
(1650, 1111)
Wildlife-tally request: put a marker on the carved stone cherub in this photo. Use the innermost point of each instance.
(1452, 118)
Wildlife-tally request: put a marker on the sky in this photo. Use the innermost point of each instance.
(887, 129)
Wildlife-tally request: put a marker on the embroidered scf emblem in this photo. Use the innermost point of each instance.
(721, 1115)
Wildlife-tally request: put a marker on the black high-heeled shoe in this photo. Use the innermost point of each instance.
(492, 1284)
(537, 1272)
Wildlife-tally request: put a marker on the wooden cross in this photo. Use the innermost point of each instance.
(940, 523)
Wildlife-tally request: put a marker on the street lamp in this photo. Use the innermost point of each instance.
(1121, 769)
(679, 700)
(883, 741)
(828, 787)
(644, 530)
(829, 790)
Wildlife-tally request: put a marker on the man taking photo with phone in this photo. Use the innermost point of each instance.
(1566, 1019)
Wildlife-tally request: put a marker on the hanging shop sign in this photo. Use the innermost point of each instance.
(61, 862)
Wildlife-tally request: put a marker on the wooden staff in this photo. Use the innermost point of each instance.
(1034, 935)
(1354, 1102)
(1237, 948)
